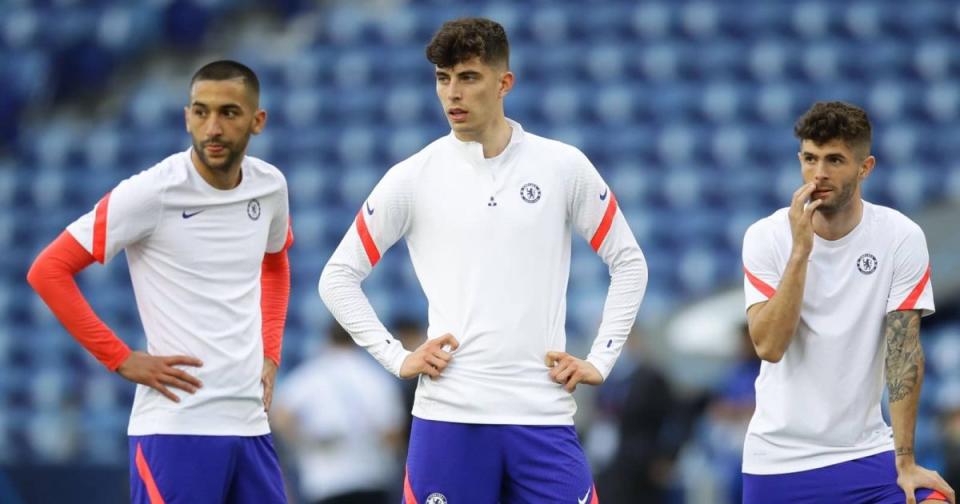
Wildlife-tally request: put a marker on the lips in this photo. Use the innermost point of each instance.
(457, 114)
(214, 148)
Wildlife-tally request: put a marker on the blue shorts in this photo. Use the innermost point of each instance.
(867, 480)
(173, 469)
(487, 464)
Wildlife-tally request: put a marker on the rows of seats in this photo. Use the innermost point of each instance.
(686, 108)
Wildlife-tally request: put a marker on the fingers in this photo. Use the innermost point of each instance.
(185, 377)
(565, 369)
(429, 370)
(267, 396)
(562, 371)
(943, 487)
(182, 360)
(436, 362)
(165, 391)
(808, 211)
(176, 382)
(553, 357)
(574, 380)
(802, 194)
(446, 340)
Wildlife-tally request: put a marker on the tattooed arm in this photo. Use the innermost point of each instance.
(904, 372)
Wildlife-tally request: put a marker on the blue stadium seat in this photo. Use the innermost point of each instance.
(652, 20)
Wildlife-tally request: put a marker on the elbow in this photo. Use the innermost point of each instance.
(35, 275)
(323, 285)
(768, 352)
(331, 280)
(771, 356)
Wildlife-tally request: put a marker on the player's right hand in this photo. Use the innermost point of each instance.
(158, 372)
(430, 358)
(801, 219)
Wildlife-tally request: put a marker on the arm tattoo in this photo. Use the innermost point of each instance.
(904, 361)
(904, 451)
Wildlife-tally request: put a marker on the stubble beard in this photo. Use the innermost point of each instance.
(841, 201)
(234, 152)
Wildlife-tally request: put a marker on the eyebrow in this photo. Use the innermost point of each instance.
(464, 73)
(224, 106)
(828, 154)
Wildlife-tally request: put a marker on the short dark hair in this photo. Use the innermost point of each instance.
(827, 121)
(226, 70)
(462, 39)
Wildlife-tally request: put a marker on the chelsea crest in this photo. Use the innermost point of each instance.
(867, 264)
(530, 192)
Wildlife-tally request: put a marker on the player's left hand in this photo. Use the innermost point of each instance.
(910, 477)
(569, 371)
(267, 377)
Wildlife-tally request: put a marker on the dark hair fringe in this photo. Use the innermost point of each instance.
(462, 39)
(827, 121)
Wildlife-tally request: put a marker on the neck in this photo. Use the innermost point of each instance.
(836, 225)
(219, 179)
(494, 138)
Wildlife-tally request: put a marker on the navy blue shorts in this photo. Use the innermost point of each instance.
(486, 464)
(867, 480)
(173, 469)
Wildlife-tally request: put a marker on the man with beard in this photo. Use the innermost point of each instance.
(835, 288)
(206, 233)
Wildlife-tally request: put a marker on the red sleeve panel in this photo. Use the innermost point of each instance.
(274, 298)
(52, 276)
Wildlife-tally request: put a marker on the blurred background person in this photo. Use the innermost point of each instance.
(341, 416)
(644, 410)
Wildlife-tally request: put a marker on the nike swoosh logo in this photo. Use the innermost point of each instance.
(603, 196)
(188, 215)
(585, 497)
(369, 210)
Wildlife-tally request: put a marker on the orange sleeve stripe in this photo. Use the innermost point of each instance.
(289, 242)
(914, 296)
(761, 286)
(100, 229)
(368, 244)
(605, 224)
(408, 496)
(143, 469)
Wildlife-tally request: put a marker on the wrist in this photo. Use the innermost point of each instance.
(799, 255)
(905, 458)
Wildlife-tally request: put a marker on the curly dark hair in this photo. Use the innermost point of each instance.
(462, 39)
(827, 121)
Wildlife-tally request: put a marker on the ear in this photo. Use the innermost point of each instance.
(867, 167)
(259, 121)
(186, 118)
(506, 84)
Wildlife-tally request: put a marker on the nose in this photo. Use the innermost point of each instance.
(820, 170)
(212, 128)
(453, 91)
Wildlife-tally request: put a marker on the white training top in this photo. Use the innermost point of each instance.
(820, 405)
(490, 242)
(195, 254)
